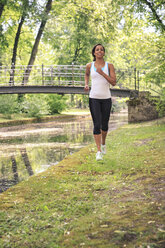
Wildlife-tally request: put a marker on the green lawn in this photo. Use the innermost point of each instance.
(118, 202)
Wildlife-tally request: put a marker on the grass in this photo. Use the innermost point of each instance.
(118, 202)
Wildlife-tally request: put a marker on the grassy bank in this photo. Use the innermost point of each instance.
(118, 202)
(20, 119)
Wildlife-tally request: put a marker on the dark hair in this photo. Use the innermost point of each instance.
(93, 50)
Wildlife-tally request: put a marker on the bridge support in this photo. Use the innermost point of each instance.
(142, 108)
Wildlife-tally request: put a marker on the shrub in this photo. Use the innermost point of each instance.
(161, 103)
(35, 105)
(8, 105)
(57, 103)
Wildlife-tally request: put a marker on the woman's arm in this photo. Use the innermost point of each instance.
(87, 75)
(112, 78)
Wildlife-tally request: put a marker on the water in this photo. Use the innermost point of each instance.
(29, 149)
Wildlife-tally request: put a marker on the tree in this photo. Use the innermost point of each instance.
(26, 7)
(37, 40)
(86, 23)
(13, 60)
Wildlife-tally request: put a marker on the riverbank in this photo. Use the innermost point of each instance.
(21, 119)
(118, 202)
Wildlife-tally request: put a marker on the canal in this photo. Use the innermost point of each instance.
(29, 149)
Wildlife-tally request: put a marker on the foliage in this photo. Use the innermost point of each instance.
(35, 106)
(32, 105)
(156, 63)
(161, 103)
(131, 31)
(86, 23)
(8, 105)
(56, 103)
(79, 101)
(117, 105)
(154, 12)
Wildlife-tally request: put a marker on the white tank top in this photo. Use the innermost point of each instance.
(99, 85)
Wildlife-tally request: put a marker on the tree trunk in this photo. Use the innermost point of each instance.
(13, 60)
(2, 5)
(36, 44)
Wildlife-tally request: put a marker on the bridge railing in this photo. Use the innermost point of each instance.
(42, 75)
(65, 75)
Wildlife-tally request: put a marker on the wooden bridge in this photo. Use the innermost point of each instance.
(60, 79)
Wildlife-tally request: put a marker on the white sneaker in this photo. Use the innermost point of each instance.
(99, 156)
(103, 149)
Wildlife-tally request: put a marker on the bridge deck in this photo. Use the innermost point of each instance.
(59, 90)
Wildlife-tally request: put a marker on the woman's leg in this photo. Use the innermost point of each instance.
(97, 138)
(105, 110)
(95, 109)
(103, 136)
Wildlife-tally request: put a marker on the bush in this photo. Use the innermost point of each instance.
(161, 103)
(8, 105)
(35, 105)
(57, 103)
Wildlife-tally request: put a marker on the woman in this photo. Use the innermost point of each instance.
(102, 74)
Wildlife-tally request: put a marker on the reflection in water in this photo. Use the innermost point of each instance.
(14, 168)
(30, 149)
(26, 162)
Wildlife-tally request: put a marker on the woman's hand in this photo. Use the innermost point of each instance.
(100, 71)
(112, 78)
(86, 88)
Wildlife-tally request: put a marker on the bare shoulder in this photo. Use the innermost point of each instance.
(88, 66)
(111, 66)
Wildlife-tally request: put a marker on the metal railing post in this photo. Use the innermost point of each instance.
(5, 75)
(11, 82)
(135, 76)
(80, 74)
(138, 79)
(58, 73)
(42, 74)
(73, 73)
(51, 75)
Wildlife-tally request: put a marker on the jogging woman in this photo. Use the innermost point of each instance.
(102, 75)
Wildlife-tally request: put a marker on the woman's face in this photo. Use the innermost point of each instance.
(99, 51)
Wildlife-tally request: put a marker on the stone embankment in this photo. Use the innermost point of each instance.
(142, 108)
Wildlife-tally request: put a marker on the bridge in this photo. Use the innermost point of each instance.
(69, 79)
(60, 79)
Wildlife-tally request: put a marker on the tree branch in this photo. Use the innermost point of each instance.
(151, 6)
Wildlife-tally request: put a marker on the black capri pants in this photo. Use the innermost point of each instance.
(100, 111)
